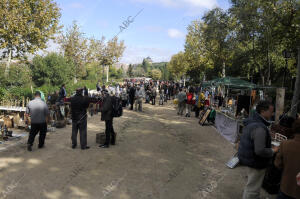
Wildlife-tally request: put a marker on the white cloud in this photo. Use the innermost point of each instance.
(174, 33)
(136, 54)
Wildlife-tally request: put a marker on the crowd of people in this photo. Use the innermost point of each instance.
(255, 149)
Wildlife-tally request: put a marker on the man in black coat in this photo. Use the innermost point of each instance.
(107, 116)
(131, 96)
(79, 105)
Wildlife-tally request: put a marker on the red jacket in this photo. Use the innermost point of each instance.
(190, 97)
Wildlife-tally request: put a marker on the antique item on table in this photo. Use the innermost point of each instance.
(204, 118)
(233, 162)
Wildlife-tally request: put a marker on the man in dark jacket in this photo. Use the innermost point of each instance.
(62, 93)
(79, 105)
(131, 96)
(255, 150)
(107, 116)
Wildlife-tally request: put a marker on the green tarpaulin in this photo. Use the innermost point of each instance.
(230, 82)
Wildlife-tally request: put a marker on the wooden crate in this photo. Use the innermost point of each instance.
(100, 138)
(8, 121)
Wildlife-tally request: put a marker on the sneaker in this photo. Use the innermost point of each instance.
(104, 146)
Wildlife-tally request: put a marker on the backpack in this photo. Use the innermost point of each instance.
(117, 107)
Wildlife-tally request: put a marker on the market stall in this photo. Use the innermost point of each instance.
(232, 99)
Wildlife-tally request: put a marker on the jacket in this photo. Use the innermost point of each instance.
(79, 104)
(181, 97)
(107, 109)
(255, 146)
(189, 97)
(132, 92)
(288, 159)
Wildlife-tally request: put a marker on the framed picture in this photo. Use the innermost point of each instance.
(204, 117)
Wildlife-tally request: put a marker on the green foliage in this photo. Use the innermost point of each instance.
(245, 41)
(178, 65)
(26, 26)
(52, 69)
(130, 70)
(146, 65)
(156, 74)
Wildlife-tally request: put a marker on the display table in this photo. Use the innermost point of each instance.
(227, 126)
(13, 108)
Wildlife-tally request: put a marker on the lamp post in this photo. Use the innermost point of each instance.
(286, 55)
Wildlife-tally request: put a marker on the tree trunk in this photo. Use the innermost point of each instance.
(224, 70)
(269, 67)
(8, 63)
(294, 106)
(107, 73)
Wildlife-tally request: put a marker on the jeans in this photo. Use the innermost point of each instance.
(139, 103)
(153, 100)
(82, 127)
(110, 136)
(254, 183)
(181, 107)
(189, 109)
(35, 129)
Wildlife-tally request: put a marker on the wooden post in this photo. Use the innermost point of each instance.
(280, 94)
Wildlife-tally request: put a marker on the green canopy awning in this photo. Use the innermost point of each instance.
(230, 82)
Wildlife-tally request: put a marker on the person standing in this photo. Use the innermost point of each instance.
(79, 105)
(131, 96)
(107, 116)
(153, 95)
(288, 159)
(189, 96)
(85, 91)
(139, 95)
(37, 109)
(124, 96)
(255, 150)
(98, 87)
(181, 101)
(62, 93)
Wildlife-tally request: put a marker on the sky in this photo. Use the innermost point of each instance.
(158, 31)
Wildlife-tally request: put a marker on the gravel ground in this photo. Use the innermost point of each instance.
(158, 155)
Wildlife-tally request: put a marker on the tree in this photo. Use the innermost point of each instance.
(52, 69)
(156, 74)
(146, 65)
(74, 47)
(130, 70)
(112, 52)
(178, 65)
(26, 26)
(139, 72)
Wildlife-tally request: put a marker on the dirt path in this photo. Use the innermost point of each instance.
(158, 155)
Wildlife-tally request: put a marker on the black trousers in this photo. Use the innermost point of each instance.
(282, 195)
(124, 103)
(35, 129)
(197, 111)
(131, 101)
(82, 127)
(110, 136)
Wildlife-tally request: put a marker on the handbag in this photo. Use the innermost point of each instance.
(271, 183)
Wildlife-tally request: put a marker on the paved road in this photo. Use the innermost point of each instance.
(158, 155)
